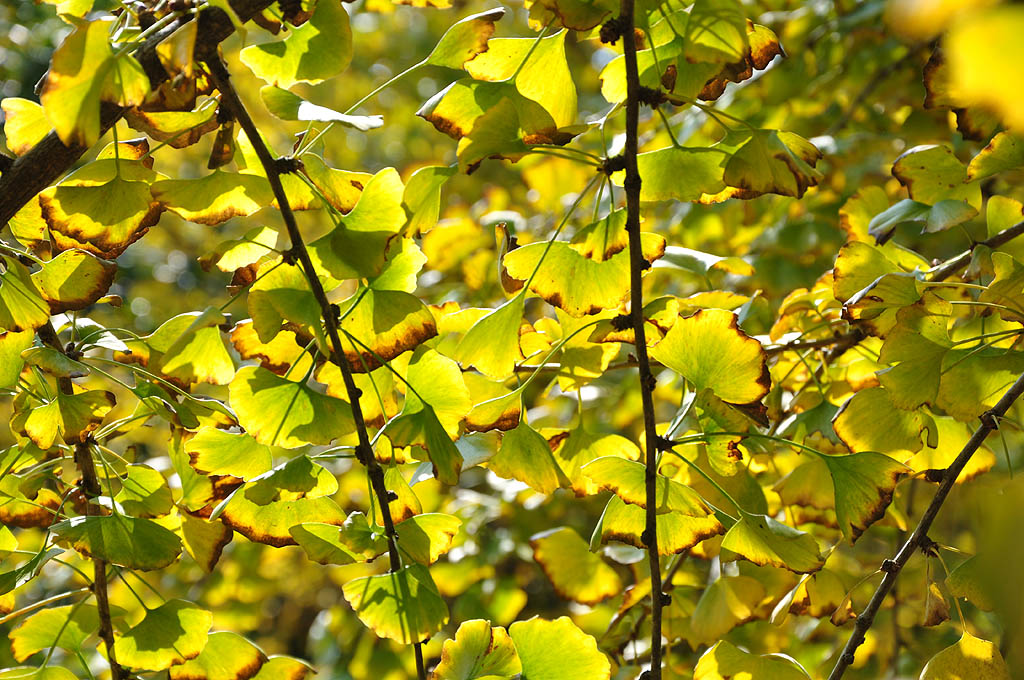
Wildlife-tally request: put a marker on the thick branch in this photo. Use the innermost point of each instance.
(637, 265)
(91, 488)
(892, 568)
(963, 259)
(48, 160)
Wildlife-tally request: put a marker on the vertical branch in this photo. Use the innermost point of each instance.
(892, 568)
(637, 265)
(273, 168)
(91, 488)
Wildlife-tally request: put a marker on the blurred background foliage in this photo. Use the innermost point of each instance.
(850, 83)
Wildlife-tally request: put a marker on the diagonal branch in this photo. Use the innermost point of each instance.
(954, 265)
(273, 168)
(892, 568)
(48, 160)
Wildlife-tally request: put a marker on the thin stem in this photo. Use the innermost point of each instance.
(709, 480)
(28, 609)
(637, 265)
(892, 568)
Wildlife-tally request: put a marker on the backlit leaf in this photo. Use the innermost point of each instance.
(725, 661)
(25, 123)
(626, 478)
(68, 418)
(576, 573)
(226, 656)
(130, 542)
(144, 492)
(218, 452)
(289, 106)
(971, 657)
(214, 198)
(676, 531)
(403, 606)
(168, 635)
(22, 308)
(1005, 151)
(932, 174)
(426, 537)
(67, 627)
(870, 421)
(525, 455)
(771, 162)
(864, 484)
(204, 540)
(492, 343)
(764, 541)
(465, 39)
(725, 604)
(383, 324)
(478, 651)
(74, 280)
(557, 650)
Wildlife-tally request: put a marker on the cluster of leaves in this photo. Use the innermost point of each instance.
(437, 401)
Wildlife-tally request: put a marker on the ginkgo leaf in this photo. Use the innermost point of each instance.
(573, 282)
(764, 541)
(22, 308)
(683, 174)
(576, 573)
(426, 537)
(492, 343)
(130, 542)
(281, 294)
(12, 344)
(358, 246)
(864, 483)
(68, 418)
(187, 348)
(311, 53)
(289, 106)
(465, 39)
(478, 651)
(1004, 152)
(226, 656)
(419, 425)
(144, 492)
(204, 540)
(405, 503)
(74, 280)
(34, 673)
(557, 650)
(67, 627)
(575, 449)
(170, 634)
(870, 421)
(725, 661)
(676, 532)
(936, 609)
(341, 188)
(103, 219)
(267, 507)
(725, 604)
(403, 605)
(626, 478)
(284, 667)
(577, 15)
(970, 658)
(84, 71)
(933, 173)
(525, 455)
(770, 162)
(383, 324)
(354, 541)
(179, 129)
(709, 349)
(278, 356)
(218, 452)
(25, 124)
(943, 215)
(969, 581)
(278, 412)
(215, 198)
(822, 594)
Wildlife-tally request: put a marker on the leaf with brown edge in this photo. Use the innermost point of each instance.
(424, 538)
(574, 449)
(973, 122)
(354, 541)
(226, 656)
(385, 323)
(870, 421)
(277, 356)
(864, 483)
(265, 509)
(932, 173)
(971, 657)
(576, 573)
(170, 634)
(131, 542)
(282, 294)
(186, 349)
(725, 661)
(936, 609)
(22, 308)
(763, 47)
(179, 129)
(765, 541)
(503, 412)
(74, 280)
(478, 651)
(822, 594)
(525, 455)
(25, 124)
(626, 479)
(676, 531)
(253, 246)
(770, 162)
(576, 15)
(558, 650)
(573, 282)
(69, 418)
(204, 540)
(465, 39)
(218, 452)
(1004, 152)
(709, 349)
(215, 198)
(67, 627)
(341, 188)
(26, 503)
(280, 667)
(103, 219)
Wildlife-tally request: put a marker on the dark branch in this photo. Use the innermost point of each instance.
(48, 160)
(919, 539)
(957, 263)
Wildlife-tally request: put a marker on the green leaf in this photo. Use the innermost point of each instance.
(218, 452)
(676, 532)
(932, 173)
(12, 345)
(341, 188)
(319, 49)
(717, 31)
(943, 215)
(289, 106)
(578, 447)
(74, 280)
(969, 581)
(19, 576)
(770, 162)
(683, 174)
(68, 418)
(864, 484)
(492, 343)
(130, 542)
(1004, 152)
(25, 124)
(354, 541)
(725, 604)
(144, 492)
(204, 540)
(422, 197)
(626, 479)
(465, 39)
(557, 650)
(281, 294)
(384, 324)
(478, 651)
(725, 661)
(576, 15)
(524, 455)
(67, 627)
(576, 573)
(971, 657)
(403, 606)
(84, 71)
(764, 541)
(284, 667)
(21, 306)
(700, 263)
(226, 656)
(573, 282)
(31, 673)
(171, 634)
(214, 198)
(871, 421)
(187, 349)
(709, 349)
(426, 537)
(279, 412)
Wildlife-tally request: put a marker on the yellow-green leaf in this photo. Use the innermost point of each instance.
(170, 634)
(477, 652)
(626, 478)
(130, 542)
(403, 605)
(226, 656)
(74, 280)
(764, 541)
(969, 659)
(864, 483)
(22, 308)
(524, 455)
(725, 661)
(215, 198)
(576, 573)
(557, 650)
(465, 39)
(25, 123)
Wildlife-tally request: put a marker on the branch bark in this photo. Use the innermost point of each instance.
(954, 265)
(48, 160)
(637, 265)
(892, 568)
(364, 451)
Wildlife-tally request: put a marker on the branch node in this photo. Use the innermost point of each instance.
(990, 420)
(622, 322)
(5, 162)
(928, 546)
(663, 444)
(645, 537)
(935, 476)
(287, 164)
(651, 96)
(392, 495)
(666, 599)
(848, 658)
(612, 30)
(888, 566)
(613, 164)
